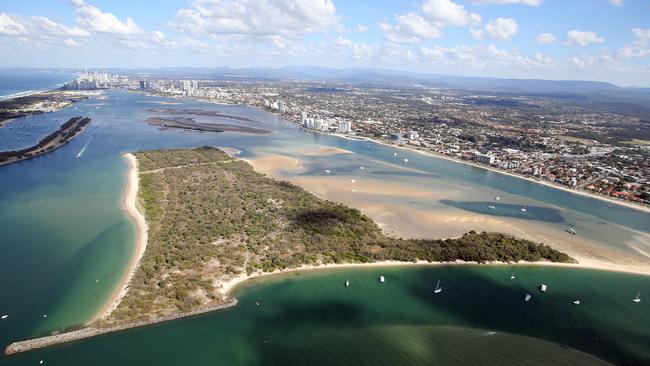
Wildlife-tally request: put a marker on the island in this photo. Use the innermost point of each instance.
(212, 221)
(51, 142)
(187, 123)
(201, 112)
(44, 102)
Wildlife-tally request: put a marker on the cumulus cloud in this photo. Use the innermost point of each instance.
(582, 38)
(93, 19)
(427, 22)
(362, 28)
(501, 28)
(289, 18)
(70, 42)
(10, 26)
(545, 38)
(503, 2)
(639, 47)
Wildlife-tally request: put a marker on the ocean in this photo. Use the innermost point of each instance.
(17, 82)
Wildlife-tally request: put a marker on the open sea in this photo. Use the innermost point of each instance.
(17, 82)
(62, 228)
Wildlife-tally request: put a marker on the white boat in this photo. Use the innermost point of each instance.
(577, 302)
(394, 154)
(382, 279)
(406, 160)
(362, 167)
(571, 231)
(352, 181)
(327, 171)
(636, 299)
(347, 283)
(527, 298)
(492, 207)
(512, 276)
(5, 316)
(523, 209)
(438, 289)
(44, 315)
(257, 303)
(543, 287)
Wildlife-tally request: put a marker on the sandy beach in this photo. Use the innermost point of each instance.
(229, 285)
(130, 206)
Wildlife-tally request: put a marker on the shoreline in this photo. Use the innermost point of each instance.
(130, 207)
(627, 204)
(583, 264)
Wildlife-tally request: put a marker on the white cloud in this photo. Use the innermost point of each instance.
(10, 27)
(362, 28)
(501, 28)
(91, 18)
(427, 22)
(582, 38)
(639, 47)
(78, 3)
(56, 29)
(410, 28)
(70, 42)
(503, 2)
(545, 38)
(445, 13)
(289, 18)
(617, 2)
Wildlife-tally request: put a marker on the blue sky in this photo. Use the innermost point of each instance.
(606, 40)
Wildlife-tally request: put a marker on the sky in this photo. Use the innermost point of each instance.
(603, 40)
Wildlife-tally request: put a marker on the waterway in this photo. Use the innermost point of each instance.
(66, 242)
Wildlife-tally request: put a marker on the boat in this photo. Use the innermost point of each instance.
(636, 299)
(347, 283)
(523, 209)
(257, 303)
(352, 181)
(527, 297)
(497, 198)
(571, 231)
(44, 315)
(438, 289)
(406, 160)
(327, 171)
(5, 316)
(382, 279)
(543, 287)
(577, 302)
(512, 276)
(394, 154)
(362, 167)
(492, 207)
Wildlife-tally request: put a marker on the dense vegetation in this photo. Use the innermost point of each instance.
(211, 216)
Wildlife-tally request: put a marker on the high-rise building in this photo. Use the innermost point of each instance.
(281, 107)
(345, 127)
(303, 117)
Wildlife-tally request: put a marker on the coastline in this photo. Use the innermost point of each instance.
(583, 263)
(636, 206)
(130, 206)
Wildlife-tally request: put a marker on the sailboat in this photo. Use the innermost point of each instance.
(438, 289)
(406, 160)
(512, 276)
(382, 279)
(347, 283)
(637, 298)
(527, 297)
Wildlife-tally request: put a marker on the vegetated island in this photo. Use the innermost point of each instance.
(51, 142)
(201, 112)
(213, 219)
(38, 103)
(190, 124)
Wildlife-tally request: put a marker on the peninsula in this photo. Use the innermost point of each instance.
(44, 102)
(213, 221)
(51, 142)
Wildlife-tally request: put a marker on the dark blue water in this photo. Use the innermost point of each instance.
(18, 81)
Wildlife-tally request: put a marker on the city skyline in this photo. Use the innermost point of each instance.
(498, 38)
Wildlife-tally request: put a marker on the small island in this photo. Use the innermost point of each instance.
(51, 142)
(44, 102)
(187, 123)
(201, 112)
(212, 221)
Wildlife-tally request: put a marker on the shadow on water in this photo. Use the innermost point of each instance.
(546, 316)
(509, 210)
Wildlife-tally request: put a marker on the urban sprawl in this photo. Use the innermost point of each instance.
(539, 137)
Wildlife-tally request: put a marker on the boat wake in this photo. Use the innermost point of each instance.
(83, 149)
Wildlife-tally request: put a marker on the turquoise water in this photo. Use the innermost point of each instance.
(62, 229)
(312, 318)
